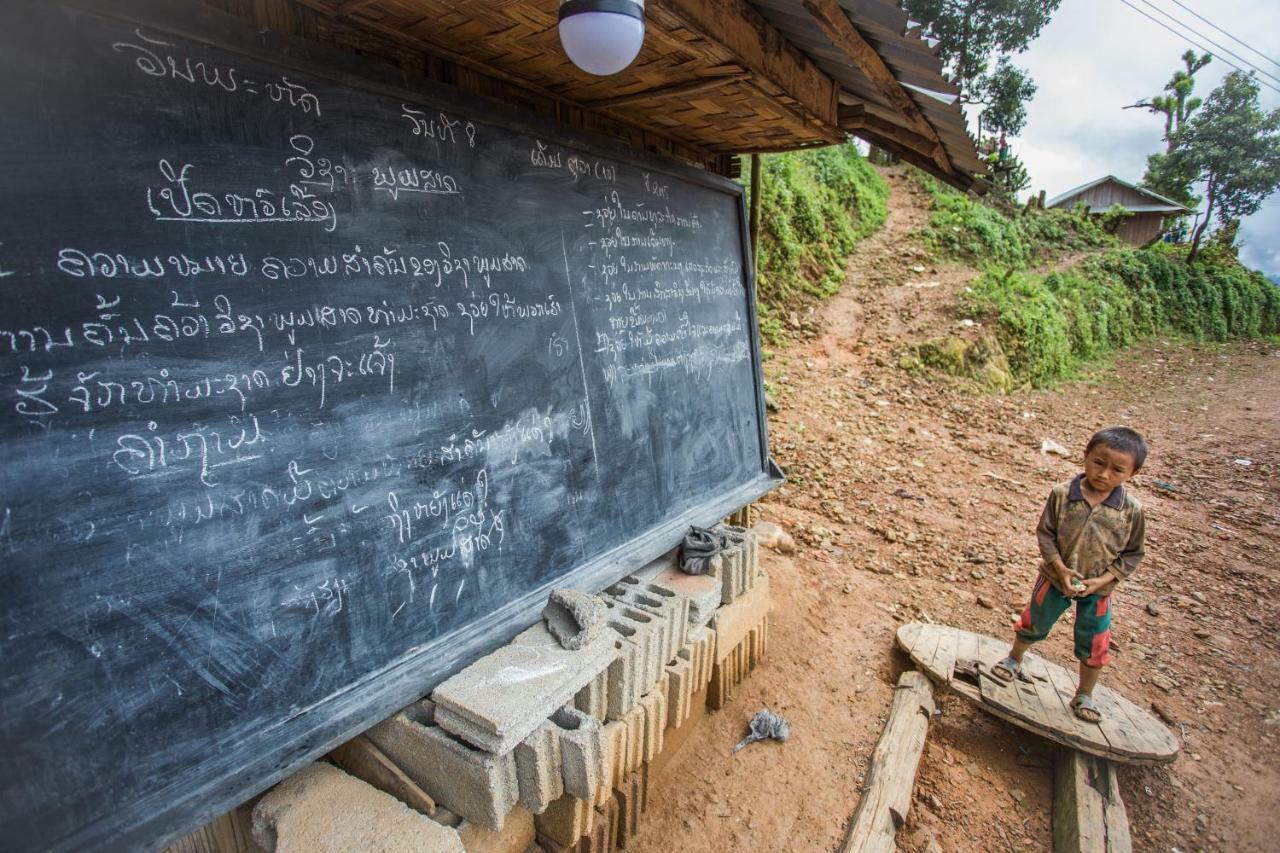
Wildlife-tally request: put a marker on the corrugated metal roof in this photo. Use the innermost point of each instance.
(1164, 203)
(911, 61)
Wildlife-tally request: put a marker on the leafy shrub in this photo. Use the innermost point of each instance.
(972, 230)
(1050, 325)
(814, 208)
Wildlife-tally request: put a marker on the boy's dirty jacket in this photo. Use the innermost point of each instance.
(1091, 540)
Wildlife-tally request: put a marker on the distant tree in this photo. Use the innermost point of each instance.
(971, 31)
(1005, 93)
(1233, 147)
(1178, 105)
(1172, 178)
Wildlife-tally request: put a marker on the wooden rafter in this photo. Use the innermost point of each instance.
(760, 48)
(688, 87)
(858, 121)
(346, 7)
(837, 26)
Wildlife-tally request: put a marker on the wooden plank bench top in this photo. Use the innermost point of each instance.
(1127, 733)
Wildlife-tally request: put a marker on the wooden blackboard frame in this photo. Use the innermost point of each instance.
(236, 771)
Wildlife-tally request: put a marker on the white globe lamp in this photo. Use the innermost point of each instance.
(602, 37)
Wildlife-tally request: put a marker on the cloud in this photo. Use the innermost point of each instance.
(1095, 57)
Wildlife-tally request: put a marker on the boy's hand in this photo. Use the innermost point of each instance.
(1062, 576)
(1092, 585)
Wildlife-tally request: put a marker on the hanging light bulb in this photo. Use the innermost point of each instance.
(602, 37)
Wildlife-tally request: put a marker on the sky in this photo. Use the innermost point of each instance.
(1096, 56)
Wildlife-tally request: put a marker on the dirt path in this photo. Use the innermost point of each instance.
(898, 519)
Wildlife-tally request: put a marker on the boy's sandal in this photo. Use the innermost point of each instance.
(1007, 669)
(1084, 708)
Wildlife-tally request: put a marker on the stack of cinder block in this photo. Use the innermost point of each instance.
(536, 742)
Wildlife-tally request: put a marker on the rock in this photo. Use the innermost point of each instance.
(1153, 609)
(1048, 446)
(575, 618)
(1018, 794)
(982, 601)
(774, 537)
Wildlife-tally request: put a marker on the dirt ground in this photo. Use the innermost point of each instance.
(914, 499)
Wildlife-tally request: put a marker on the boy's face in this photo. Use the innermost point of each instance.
(1105, 467)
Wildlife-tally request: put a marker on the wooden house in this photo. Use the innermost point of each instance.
(1149, 210)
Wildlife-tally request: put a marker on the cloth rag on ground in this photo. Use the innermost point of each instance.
(766, 724)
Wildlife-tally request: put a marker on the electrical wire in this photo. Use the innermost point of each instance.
(1186, 37)
(1225, 33)
(1201, 35)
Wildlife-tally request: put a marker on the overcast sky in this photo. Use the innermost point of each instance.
(1096, 56)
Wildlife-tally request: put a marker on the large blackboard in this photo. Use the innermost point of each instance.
(314, 386)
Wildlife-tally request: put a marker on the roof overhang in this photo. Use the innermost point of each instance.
(715, 76)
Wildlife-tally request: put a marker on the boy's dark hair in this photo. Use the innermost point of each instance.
(1123, 439)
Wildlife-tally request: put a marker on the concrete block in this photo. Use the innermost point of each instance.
(680, 673)
(565, 821)
(615, 735)
(478, 785)
(517, 835)
(582, 752)
(655, 722)
(649, 632)
(500, 699)
(538, 768)
(733, 621)
(623, 677)
(701, 591)
(633, 801)
(606, 820)
(634, 721)
(575, 618)
(320, 809)
(659, 601)
(594, 698)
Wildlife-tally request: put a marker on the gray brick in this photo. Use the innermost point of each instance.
(538, 768)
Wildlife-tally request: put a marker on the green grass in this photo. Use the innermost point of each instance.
(971, 230)
(815, 207)
(1052, 326)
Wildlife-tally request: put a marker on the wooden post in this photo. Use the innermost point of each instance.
(1088, 814)
(755, 209)
(886, 794)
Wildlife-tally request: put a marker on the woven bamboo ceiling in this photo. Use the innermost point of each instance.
(718, 76)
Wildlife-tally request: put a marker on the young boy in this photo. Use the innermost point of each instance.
(1090, 535)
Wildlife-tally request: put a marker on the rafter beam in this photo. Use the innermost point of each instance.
(689, 87)
(346, 7)
(837, 26)
(760, 48)
(857, 121)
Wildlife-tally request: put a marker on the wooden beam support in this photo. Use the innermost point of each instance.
(760, 48)
(837, 26)
(688, 87)
(360, 758)
(857, 122)
(1088, 814)
(755, 231)
(886, 794)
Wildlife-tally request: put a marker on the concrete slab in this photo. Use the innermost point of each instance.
(500, 699)
(320, 809)
(479, 786)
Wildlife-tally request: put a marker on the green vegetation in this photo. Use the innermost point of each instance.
(973, 231)
(1049, 326)
(815, 207)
